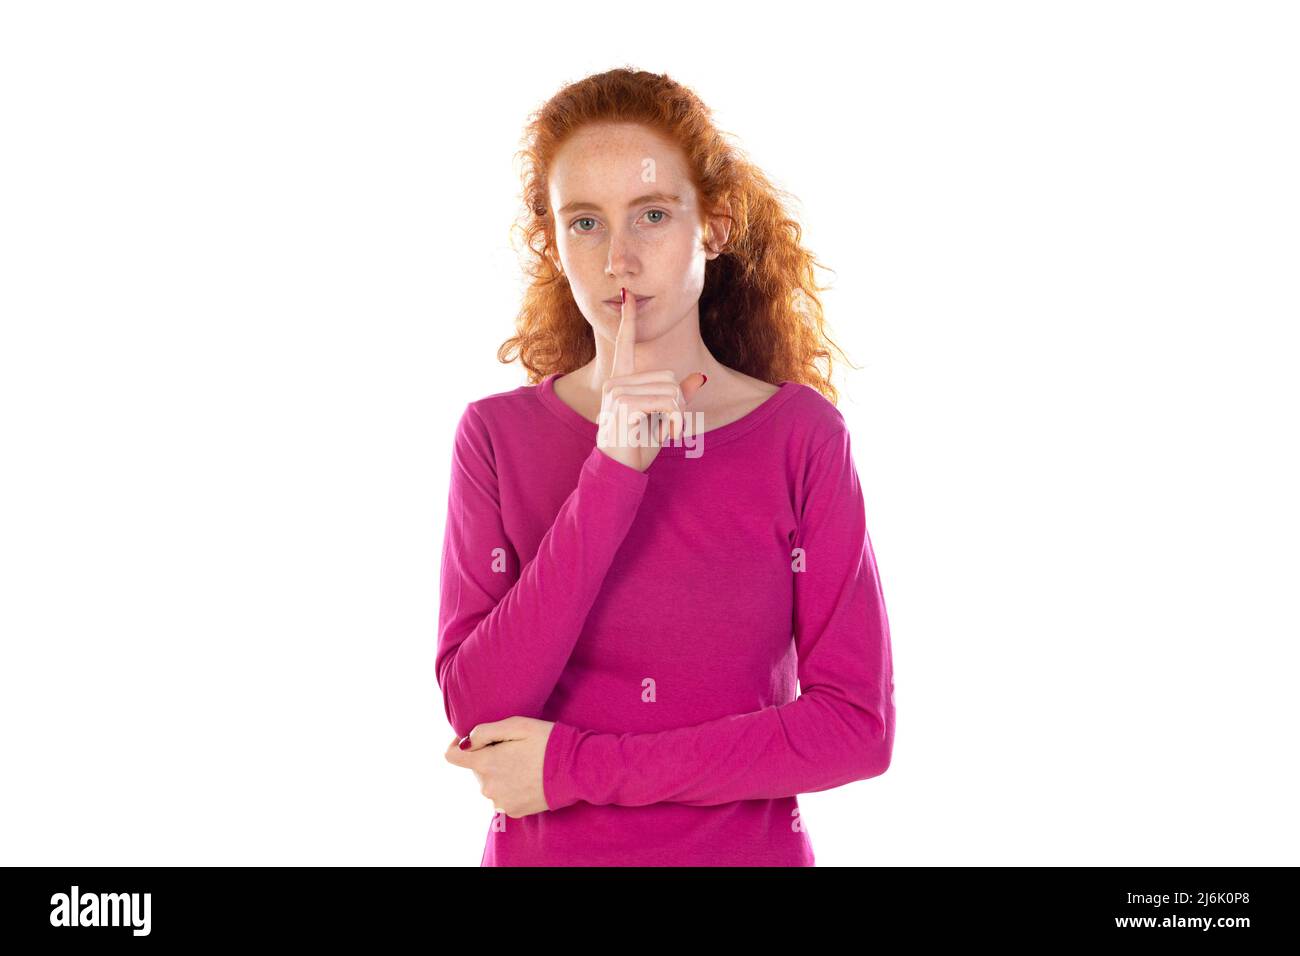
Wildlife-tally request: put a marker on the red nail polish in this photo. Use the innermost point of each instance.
(706, 380)
(466, 743)
(622, 295)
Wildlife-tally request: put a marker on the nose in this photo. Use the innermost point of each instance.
(622, 259)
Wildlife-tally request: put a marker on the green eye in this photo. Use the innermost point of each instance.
(652, 212)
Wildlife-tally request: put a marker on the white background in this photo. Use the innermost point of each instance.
(254, 261)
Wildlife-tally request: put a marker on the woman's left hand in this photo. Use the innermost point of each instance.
(506, 756)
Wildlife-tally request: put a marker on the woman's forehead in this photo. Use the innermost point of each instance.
(597, 171)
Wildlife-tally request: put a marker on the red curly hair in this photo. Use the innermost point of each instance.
(759, 309)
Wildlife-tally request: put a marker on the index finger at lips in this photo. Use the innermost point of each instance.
(625, 343)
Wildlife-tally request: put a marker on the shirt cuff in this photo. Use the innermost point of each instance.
(557, 782)
(599, 465)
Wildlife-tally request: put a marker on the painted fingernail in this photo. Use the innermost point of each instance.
(705, 382)
(622, 295)
(466, 743)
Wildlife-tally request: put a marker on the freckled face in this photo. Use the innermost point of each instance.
(615, 225)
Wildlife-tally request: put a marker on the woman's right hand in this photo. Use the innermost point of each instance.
(627, 394)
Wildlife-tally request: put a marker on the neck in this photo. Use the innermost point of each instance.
(680, 349)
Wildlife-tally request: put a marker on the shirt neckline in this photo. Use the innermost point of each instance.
(710, 438)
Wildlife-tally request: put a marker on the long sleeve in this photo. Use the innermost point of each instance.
(506, 633)
(839, 729)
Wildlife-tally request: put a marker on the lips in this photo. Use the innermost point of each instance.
(639, 300)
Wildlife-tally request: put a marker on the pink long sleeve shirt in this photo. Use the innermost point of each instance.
(661, 619)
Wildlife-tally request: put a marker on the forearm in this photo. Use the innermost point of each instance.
(814, 743)
(503, 659)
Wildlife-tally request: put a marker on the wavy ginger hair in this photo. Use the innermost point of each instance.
(759, 309)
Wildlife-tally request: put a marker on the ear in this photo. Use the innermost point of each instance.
(717, 230)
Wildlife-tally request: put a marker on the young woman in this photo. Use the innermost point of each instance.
(638, 565)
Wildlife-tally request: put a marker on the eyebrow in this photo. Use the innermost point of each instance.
(649, 197)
